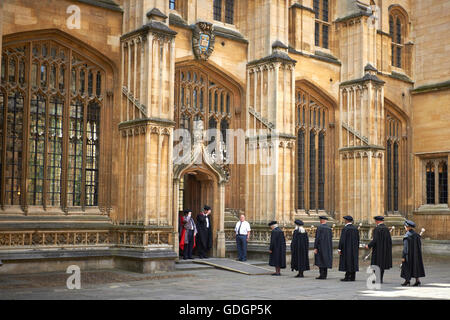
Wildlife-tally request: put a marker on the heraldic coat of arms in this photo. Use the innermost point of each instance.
(203, 39)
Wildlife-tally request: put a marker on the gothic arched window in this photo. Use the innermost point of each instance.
(50, 104)
(195, 89)
(311, 123)
(397, 31)
(393, 144)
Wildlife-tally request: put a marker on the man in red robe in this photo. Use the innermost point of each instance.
(188, 233)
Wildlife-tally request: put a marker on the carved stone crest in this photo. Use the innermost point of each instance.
(203, 40)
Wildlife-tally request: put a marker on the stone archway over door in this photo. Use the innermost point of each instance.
(209, 181)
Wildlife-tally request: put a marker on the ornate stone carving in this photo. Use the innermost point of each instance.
(203, 39)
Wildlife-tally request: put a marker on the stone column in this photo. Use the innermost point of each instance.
(147, 215)
(271, 112)
(361, 147)
(221, 232)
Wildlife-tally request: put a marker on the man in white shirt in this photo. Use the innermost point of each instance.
(242, 235)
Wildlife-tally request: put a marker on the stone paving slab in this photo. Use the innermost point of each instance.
(216, 284)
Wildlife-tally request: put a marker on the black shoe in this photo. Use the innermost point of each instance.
(276, 274)
(320, 278)
(418, 283)
(300, 275)
(406, 284)
(345, 279)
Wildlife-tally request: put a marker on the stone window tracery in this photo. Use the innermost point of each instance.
(312, 121)
(50, 102)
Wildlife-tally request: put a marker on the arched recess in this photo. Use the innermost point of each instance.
(315, 149)
(67, 89)
(397, 147)
(205, 92)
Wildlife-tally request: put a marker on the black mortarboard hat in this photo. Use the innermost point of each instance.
(271, 223)
(206, 208)
(323, 217)
(348, 218)
(299, 222)
(379, 218)
(410, 223)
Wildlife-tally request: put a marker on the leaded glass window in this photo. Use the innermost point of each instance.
(311, 124)
(312, 170)
(321, 165)
(322, 24)
(223, 11)
(301, 169)
(430, 183)
(61, 140)
(443, 182)
(201, 90)
(393, 147)
(397, 31)
(229, 11)
(217, 10)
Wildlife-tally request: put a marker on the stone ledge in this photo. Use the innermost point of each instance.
(276, 56)
(442, 209)
(353, 16)
(57, 226)
(318, 56)
(401, 77)
(107, 4)
(367, 77)
(36, 254)
(302, 7)
(432, 87)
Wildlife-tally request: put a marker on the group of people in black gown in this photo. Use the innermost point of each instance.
(196, 234)
(348, 250)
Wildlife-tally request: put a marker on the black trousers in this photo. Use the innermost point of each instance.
(201, 250)
(187, 252)
(323, 272)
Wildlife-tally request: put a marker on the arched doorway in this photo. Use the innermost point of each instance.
(201, 182)
(197, 190)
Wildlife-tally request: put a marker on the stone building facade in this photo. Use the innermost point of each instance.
(334, 108)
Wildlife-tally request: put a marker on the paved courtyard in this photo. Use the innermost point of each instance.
(198, 282)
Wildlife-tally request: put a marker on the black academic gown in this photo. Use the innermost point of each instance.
(349, 246)
(324, 245)
(412, 253)
(299, 251)
(204, 234)
(278, 247)
(381, 247)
